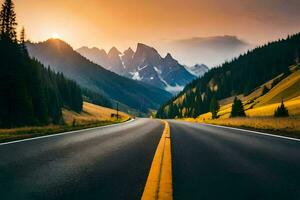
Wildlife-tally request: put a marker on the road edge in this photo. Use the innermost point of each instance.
(252, 131)
(65, 133)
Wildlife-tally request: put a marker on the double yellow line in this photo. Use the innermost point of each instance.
(159, 181)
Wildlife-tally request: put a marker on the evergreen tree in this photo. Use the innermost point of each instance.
(237, 109)
(199, 105)
(29, 93)
(8, 20)
(214, 107)
(23, 41)
(281, 111)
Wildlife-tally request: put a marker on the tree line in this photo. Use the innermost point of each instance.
(30, 94)
(242, 75)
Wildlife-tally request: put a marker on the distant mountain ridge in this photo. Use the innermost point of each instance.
(146, 65)
(62, 58)
(197, 70)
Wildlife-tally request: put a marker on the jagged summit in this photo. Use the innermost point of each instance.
(169, 58)
(114, 52)
(146, 65)
(129, 52)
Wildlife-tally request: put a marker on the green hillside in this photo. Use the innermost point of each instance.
(242, 76)
(29, 93)
(262, 105)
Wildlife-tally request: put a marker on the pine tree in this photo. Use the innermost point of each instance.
(8, 20)
(237, 109)
(281, 111)
(23, 42)
(199, 105)
(29, 93)
(214, 107)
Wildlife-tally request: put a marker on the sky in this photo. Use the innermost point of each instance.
(163, 24)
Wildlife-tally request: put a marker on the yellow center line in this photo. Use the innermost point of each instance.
(159, 181)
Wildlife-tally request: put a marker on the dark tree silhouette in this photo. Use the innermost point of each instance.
(29, 93)
(8, 20)
(281, 111)
(23, 41)
(214, 107)
(237, 109)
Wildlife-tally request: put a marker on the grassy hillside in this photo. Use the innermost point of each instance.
(260, 108)
(91, 116)
(257, 104)
(241, 76)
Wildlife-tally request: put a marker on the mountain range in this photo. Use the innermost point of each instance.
(146, 65)
(132, 94)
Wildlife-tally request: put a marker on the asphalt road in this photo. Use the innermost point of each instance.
(113, 163)
(103, 163)
(219, 163)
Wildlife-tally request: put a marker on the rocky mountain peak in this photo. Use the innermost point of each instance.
(169, 58)
(129, 52)
(143, 49)
(114, 52)
(148, 66)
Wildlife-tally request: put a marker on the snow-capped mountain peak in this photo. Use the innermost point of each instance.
(147, 65)
(198, 69)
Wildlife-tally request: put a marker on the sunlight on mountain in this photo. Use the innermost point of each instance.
(55, 36)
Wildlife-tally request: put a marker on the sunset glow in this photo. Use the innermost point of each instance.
(122, 24)
(55, 36)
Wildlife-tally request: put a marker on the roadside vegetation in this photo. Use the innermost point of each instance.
(281, 126)
(273, 107)
(34, 100)
(91, 116)
(30, 94)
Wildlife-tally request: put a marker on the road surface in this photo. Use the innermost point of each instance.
(113, 162)
(104, 163)
(220, 163)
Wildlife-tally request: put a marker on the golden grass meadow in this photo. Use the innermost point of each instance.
(91, 116)
(260, 109)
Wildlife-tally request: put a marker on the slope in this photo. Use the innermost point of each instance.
(145, 65)
(241, 76)
(258, 104)
(61, 57)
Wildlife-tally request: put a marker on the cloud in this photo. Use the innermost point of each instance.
(211, 51)
(226, 41)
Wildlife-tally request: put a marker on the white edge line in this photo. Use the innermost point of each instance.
(64, 133)
(257, 132)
